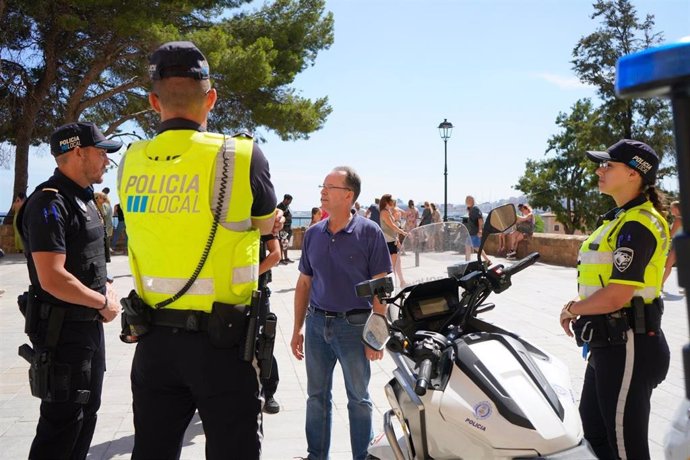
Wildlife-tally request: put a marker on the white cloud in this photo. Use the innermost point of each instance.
(563, 82)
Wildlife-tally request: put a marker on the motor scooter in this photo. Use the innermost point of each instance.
(462, 387)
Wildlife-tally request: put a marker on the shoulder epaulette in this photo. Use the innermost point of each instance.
(49, 189)
(243, 134)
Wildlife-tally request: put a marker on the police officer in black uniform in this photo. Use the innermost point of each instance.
(269, 256)
(69, 299)
(617, 318)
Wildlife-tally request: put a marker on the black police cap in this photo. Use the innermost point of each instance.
(178, 59)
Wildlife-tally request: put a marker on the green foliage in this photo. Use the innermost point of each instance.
(621, 32)
(65, 60)
(565, 182)
(538, 224)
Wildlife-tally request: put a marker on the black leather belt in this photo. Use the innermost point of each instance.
(71, 313)
(189, 320)
(340, 314)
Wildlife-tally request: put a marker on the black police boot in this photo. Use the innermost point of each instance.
(271, 406)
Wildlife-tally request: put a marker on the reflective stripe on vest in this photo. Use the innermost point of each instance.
(170, 186)
(595, 262)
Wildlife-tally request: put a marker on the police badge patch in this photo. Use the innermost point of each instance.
(622, 258)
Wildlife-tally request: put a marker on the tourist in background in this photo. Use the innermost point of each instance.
(411, 216)
(119, 231)
(106, 210)
(286, 233)
(19, 200)
(391, 231)
(524, 226)
(315, 216)
(373, 212)
(426, 214)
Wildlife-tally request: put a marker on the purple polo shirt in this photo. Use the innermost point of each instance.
(336, 263)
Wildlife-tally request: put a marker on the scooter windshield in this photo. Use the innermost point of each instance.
(428, 250)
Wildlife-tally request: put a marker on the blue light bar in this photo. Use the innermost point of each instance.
(655, 71)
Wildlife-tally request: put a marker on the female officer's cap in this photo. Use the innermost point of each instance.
(178, 59)
(638, 155)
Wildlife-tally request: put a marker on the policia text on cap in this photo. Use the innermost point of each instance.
(194, 254)
(617, 317)
(64, 242)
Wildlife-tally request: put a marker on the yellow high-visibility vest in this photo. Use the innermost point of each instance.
(169, 189)
(596, 257)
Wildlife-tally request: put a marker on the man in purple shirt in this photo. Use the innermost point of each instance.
(338, 253)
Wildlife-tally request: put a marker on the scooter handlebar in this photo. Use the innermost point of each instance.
(423, 377)
(521, 264)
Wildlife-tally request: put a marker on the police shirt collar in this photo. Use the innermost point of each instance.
(180, 123)
(69, 187)
(613, 213)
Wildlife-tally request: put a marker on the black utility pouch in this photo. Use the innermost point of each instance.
(617, 326)
(267, 339)
(49, 380)
(136, 318)
(653, 314)
(227, 325)
(31, 309)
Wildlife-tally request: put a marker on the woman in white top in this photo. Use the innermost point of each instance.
(391, 232)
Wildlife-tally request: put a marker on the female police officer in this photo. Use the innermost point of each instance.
(619, 310)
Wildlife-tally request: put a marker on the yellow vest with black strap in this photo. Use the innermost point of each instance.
(169, 189)
(597, 253)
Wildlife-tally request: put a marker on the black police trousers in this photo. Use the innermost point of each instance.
(175, 373)
(65, 429)
(615, 402)
(270, 385)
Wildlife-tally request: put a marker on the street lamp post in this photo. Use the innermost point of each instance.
(445, 129)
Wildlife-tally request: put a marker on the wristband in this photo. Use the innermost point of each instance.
(105, 303)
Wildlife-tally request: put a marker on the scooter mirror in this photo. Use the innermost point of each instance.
(376, 333)
(499, 220)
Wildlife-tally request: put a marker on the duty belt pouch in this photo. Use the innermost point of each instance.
(653, 314)
(617, 326)
(267, 339)
(227, 325)
(136, 317)
(601, 330)
(31, 309)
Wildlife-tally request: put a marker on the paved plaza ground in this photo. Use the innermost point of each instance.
(530, 308)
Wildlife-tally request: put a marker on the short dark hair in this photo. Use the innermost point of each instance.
(287, 196)
(106, 190)
(352, 180)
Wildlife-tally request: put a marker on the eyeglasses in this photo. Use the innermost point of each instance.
(606, 165)
(331, 187)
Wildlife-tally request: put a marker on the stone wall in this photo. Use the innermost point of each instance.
(7, 239)
(555, 249)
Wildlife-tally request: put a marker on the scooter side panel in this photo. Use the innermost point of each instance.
(464, 404)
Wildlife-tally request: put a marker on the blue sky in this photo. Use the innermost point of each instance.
(498, 70)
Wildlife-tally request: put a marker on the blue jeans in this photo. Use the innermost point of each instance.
(328, 340)
(119, 230)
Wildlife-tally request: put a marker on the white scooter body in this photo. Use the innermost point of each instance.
(492, 395)
(463, 422)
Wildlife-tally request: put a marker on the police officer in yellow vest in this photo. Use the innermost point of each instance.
(617, 318)
(196, 203)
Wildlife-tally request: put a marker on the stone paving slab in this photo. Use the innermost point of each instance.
(530, 308)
